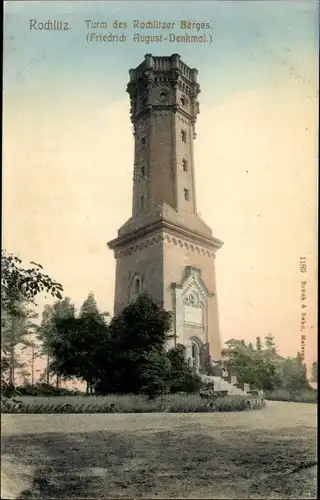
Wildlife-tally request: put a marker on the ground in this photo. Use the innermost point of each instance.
(269, 453)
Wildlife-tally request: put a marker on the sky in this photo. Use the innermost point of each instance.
(68, 150)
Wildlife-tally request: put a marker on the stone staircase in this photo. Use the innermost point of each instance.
(229, 384)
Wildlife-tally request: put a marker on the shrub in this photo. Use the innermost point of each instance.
(11, 405)
(134, 404)
(182, 375)
(42, 389)
(296, 396)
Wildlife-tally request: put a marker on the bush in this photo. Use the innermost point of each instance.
(183, 378)
(132, 404)
(294, 395)
(11, 405)
(42, 389)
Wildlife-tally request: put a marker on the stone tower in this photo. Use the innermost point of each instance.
(165, 249)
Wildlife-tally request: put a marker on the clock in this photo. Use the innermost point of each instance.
(163, 95)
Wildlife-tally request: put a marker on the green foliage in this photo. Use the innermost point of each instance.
(19, 288)
(183, 377)
(294, 374)
(43, 390)
(17, 281)
(297, 396)
(138, 337)
(128, 355)
(80, 347)
(252, 366)
(53, 339)
(156, 375)
(270, 343)
(90, 309)
(263, 368)
(4, 367)
(258, 344)
(129, 404)
(142, 325)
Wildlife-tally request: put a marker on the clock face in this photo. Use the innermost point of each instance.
(163, 95)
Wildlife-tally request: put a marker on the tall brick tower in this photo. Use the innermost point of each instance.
(165, 249)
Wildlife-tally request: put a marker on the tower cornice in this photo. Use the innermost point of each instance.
(213, 243)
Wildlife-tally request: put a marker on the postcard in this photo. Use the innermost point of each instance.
(159, 249)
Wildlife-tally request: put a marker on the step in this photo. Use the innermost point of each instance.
(221, 384)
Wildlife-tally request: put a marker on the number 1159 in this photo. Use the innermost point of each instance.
(303, 264)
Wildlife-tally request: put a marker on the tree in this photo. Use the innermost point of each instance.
(19, 288)
(77, 346)
(128, 355)
(90, 308)
(252, 366)
(182, 375)
(52, 338)
(295, 374)
(258, 344)
(17, 281)
(33, 347)
(13, 332)
(138, 335)
(64, 309)
(82, 348)
(90, 314)
(25, 375)
(45, 332)
(5, 366)
(156, 376)
(314, 371)
(142, 324)
(270, 345)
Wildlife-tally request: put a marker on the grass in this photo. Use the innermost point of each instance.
(301, 396)
(133, 404)
(254, 455)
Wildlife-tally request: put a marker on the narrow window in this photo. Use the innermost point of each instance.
(186, 194)
(185, 165)
(137, 286)
(143, 142)
(141, 201)
(184, 136)
(142, 171)
(143, 101)
(194, 351)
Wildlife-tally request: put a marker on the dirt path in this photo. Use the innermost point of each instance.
(269, 453)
